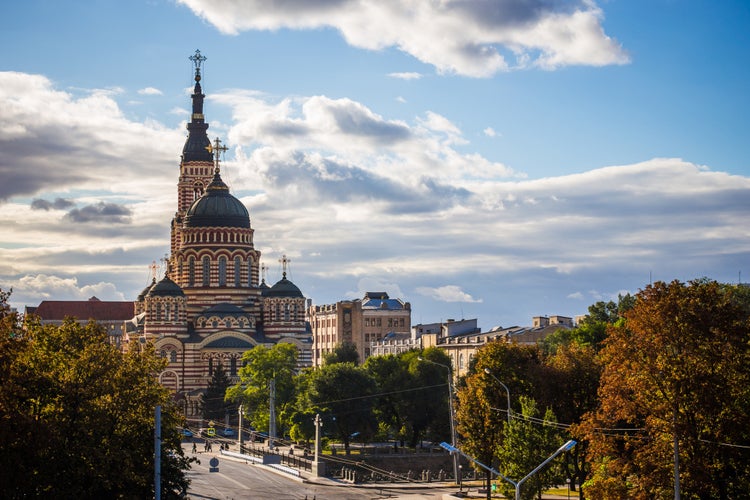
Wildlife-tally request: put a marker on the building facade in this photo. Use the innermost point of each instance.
(359, 322)
(211, 305)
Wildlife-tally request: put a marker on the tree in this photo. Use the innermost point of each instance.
(345, 352)
(528, 441)
(343, 394)
(426, 409)
(213, 404)
(393, 380)
(677, 372)
(263, 364)
(77, 416)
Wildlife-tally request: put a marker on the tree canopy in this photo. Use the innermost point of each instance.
(77, 416)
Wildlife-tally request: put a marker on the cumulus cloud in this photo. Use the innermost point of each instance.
(150, 91)
(50, 287)
(477, 38)
(103, 145)
(58, 204)
(447, 293)
(108, 213)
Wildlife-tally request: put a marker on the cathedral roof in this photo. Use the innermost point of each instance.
(283, 288)
(217, 208)
(145, 291)
(165, 288)
(224, 309)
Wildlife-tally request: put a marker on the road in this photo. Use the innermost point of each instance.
(237, 480)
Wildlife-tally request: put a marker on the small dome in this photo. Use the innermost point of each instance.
(217, 208)
(284, 288)
(165, 288)
(145, 291)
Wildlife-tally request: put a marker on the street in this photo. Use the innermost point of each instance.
(237, 480)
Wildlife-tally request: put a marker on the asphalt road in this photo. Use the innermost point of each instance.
(236, 480)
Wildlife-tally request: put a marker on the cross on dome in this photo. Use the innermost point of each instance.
(197, 59)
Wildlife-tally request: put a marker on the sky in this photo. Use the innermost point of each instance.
(488, 159)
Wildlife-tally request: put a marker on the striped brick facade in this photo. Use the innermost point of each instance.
(211, 308)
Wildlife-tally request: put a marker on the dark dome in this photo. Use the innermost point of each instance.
(217, 208)
(284, 288)
(166, 288)
(145, 291)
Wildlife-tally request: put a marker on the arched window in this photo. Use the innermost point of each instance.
(286, 312)
(157, 308)
(176, 315)
(222, 271)
(173, 356)
(167, 311)
(237, 271)
(210, 366)
(191, 271)
(233, 367)
(206, 271)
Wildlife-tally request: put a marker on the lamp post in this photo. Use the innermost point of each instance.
(450, 412)
(507, 392)
(566, 447)
(239, 429)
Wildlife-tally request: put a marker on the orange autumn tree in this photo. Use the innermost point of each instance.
(676, 379)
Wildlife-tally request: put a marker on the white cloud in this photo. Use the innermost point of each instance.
(55, 288)
(468, 38)
(411, 75)
(447, 293)
(490, 132)
(150, 91)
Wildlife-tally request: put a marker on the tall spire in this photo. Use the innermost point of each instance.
(197, 141)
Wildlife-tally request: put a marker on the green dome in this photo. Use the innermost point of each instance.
(217, 208)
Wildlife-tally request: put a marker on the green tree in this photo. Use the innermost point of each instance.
(345, 352)
(213, 404)
(677, 371)
(77, 416)
(529, 440)
(426, 409)
(343, 394)
(263, 364)
(391, 374)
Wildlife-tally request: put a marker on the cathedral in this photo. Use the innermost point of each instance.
(212, 304)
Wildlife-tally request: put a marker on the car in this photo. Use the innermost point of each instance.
(187, 433)
(228, 432)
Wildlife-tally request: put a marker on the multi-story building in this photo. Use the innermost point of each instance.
(359, 322)
(395, 343)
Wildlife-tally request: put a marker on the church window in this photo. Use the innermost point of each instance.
(233, 367)
(294, 312)
(173, 356)
(222, 271)
(191, 271)
(167, 311)
(210, 366)
(286, 312)
(277, 314)
(157, 308)
(237, 271)
(206, 271)
(176, 316)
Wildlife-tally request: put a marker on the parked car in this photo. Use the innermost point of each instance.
(187, 433)
(228, 432)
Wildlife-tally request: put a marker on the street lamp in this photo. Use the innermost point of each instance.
(450, 412)
(239, 431)
(507, 392)
(566, 447)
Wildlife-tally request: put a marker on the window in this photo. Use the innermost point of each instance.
(367, 321)
(191, 271)
(210, 366)
(167, 311)
(237, 271)
(250, 273)
(173, 356)
(401, 322)
(206, 271)
(379, 322)
(286, 312)
(232, 367)
(390, 322)
(157, 307)
(222, 271)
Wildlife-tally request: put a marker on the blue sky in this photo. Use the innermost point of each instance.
(497, 159)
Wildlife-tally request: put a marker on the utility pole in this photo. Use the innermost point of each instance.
(272, 415)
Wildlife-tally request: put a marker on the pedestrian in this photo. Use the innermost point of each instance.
(195, 448)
